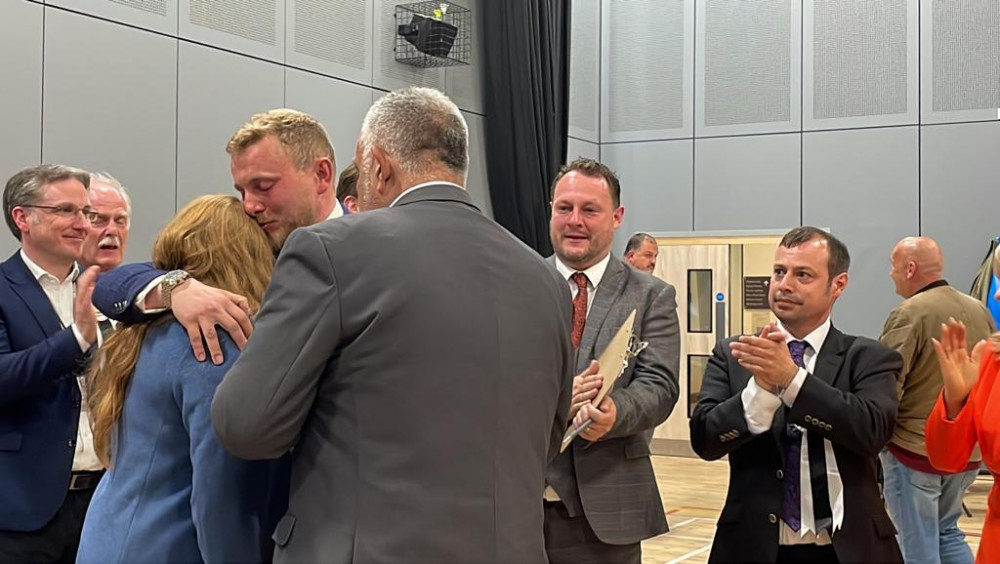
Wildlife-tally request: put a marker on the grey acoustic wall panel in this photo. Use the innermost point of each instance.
(748, 73)
(863, 186)
(747, 182)
(647, 57)
(464, 83)
(585, 70)
(388, 74)
(217, 92)
(477, 182)
(578, 148)
(959, 171)
(21, 144)
(340, 106)
(333, 37)
(960, 74)
(656, 179)
(157, 15)
(127, 128)
(860, 63)
(252, 27)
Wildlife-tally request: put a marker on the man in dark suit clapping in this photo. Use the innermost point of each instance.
(802, 410)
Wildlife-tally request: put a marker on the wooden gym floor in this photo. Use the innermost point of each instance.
(694, 490)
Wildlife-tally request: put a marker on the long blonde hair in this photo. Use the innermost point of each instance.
(213, 240)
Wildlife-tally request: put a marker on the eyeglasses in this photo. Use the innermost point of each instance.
(103, 219)
(66, 210)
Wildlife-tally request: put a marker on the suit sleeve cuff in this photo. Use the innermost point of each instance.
(789, 394)
(140, 300)
(759, 406)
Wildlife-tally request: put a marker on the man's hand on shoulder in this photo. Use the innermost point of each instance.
(199, 308)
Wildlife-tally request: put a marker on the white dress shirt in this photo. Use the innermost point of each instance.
(594, 275)
(62, 295)
(759, 407)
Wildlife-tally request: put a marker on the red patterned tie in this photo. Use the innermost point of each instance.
(579, 307)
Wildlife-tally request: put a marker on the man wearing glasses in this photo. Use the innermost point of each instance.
(48, 470)
(107, 236)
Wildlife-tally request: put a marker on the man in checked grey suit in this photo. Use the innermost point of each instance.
(602, 499)
(417, 358)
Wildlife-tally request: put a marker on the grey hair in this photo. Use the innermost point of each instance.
(106, 179)
(635, 242)
(420, 128)
(25, 188)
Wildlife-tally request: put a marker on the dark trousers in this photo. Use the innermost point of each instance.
(807, 554)
(57, 541)
(570, 540)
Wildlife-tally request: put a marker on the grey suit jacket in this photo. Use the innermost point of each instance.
(418, 359)
(612, 481)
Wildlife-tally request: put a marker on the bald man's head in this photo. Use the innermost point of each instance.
(916, 262)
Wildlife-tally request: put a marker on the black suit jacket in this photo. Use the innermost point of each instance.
(850, 400)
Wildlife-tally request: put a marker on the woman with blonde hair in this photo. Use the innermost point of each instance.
(968, 412)
(172, 493)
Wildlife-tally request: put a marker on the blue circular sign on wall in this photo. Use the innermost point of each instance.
(720, 297)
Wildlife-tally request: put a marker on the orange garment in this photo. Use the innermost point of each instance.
(950, 442)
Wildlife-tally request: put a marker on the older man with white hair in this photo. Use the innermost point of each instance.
(104, 245)
(418, 358)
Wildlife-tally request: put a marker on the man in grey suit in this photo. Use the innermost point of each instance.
(416, 356)
(602, 499)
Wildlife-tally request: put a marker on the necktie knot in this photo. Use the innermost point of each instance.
(580, 279)
(798, 350)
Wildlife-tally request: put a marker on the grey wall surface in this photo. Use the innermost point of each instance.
(151, 91)
(876, 120)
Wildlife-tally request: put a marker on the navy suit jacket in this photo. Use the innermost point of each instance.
(39, 401)
(117, 289)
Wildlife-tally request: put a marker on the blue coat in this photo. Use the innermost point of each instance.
(39, 401)
(173, 494)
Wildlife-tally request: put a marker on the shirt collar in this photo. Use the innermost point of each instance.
(931, 286)
(338, 210)
(38, 272)
(594, 274)
(423, 185)
(815, 339)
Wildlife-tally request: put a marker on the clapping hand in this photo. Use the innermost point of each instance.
(766, 357)
(959, 369)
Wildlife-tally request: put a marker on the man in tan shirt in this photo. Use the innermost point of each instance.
(925, 503)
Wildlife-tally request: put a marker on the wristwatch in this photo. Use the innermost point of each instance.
(170, 281)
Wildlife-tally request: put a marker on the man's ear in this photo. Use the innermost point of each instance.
(324, 170)
(20, 217)
(381, 166)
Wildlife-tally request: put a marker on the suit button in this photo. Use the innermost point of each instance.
(780, 475)
(772, 518)
(71, 444)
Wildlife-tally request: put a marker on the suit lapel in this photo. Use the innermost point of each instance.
(609, 289)
(831, 357)
(27, 288)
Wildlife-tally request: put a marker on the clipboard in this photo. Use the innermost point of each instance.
(612, 363)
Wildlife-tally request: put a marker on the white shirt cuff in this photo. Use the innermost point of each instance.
(84, 345)
(759, 407)
(140, 300)
(789, 394)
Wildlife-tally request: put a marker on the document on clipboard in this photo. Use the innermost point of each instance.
(611, 365)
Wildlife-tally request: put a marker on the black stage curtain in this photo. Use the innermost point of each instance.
(526, 98)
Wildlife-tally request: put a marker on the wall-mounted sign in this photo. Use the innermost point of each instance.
(755, 292)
